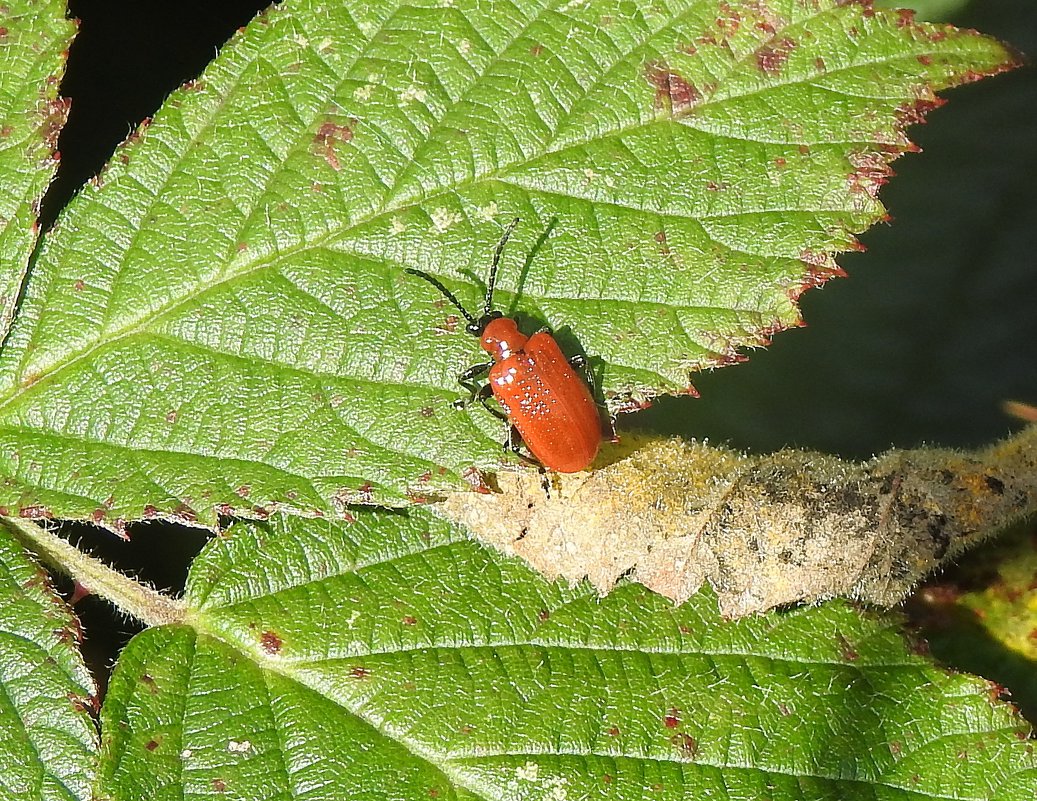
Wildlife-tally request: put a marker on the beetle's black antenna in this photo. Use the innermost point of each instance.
(446, 292)
(491, 281)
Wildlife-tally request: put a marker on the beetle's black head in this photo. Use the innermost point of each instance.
(477, 327)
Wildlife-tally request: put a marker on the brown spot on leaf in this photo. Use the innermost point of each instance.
(772, 56)
(185, 513)
(359, 672)
(475, 479)
(849, 653)
(270, 642)
(55, 115)
(686, 744)
(219, 785)
(327, 138)
(915, 112)
(905, 17)
(672, 90)
(871, 172)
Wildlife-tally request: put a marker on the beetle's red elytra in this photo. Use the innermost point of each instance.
(548, 403)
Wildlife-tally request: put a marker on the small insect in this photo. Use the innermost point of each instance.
(545, 401)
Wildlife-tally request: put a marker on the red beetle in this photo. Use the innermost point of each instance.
(549, 405)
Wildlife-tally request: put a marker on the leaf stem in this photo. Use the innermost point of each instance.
(145, 604)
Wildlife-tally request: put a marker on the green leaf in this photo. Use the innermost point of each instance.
(393, 658)
(34, 36)
(47, 737)
(224, 315)
(981, 615)
(927, 9)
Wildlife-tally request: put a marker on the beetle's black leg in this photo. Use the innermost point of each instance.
(512, 443)
(474, 371)
(579, 362)
(465, 379)
(475, 393)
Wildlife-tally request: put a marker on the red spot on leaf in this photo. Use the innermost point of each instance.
(475, 479)
(410, 620)
(613, 731)
(915, 112)
(686, 744)
(849, 653)
(905, 17)
(55, 115)
(327, 138)
(185, 512)
(79, 702)
(35, 512)
(871, 172)
(772, 56)
(672, 718)
(671, 89)
(359, 672)
(151, 745)
(270, 642)
(729, 20)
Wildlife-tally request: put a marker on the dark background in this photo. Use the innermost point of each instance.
(934, 329)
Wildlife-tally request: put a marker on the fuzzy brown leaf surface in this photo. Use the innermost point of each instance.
(763, 531)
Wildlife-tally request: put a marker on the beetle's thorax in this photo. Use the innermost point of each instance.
(501, 338)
